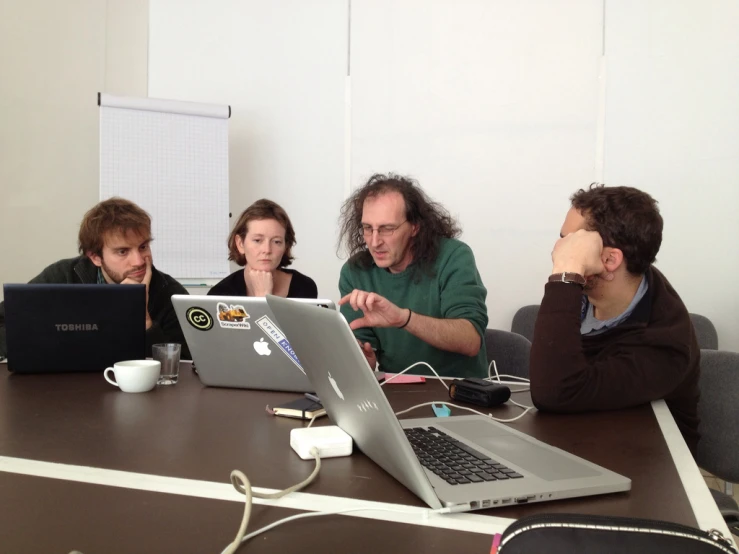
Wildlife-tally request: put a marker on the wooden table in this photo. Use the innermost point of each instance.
(85, 464)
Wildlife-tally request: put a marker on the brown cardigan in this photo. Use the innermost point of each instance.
(654, 354)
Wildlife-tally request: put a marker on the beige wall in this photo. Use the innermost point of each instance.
(54, 59)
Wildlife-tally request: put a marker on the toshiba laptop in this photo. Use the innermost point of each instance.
(60, 328)
(461, 462)
(236, 342)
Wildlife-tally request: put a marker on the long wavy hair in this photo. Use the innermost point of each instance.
(433, 220)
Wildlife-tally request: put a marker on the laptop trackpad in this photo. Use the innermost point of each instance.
(541, 461)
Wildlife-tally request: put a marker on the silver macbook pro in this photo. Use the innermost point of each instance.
(463, 462)
(236, 342)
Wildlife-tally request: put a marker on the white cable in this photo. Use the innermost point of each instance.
(492, 364)
(515, 377)
(349, 510)
(509, 384)
(241, 483)
(497, 379)
(441, 380)
(526, 409)
(525, 389)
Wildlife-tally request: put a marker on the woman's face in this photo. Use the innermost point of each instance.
(264, 244)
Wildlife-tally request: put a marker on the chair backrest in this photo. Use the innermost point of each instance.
(718, 449)
(510, 352)
(705, 332)
(524, 320)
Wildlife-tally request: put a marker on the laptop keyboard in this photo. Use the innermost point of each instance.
(454, 461)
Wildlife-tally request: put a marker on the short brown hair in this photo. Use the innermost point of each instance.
(261, 209)
(626, 218)
(111, 216)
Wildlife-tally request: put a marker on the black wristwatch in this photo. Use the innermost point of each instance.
(566, 277)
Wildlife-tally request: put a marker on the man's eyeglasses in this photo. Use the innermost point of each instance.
(382, 230)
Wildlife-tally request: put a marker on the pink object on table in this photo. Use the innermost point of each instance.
(404, 379)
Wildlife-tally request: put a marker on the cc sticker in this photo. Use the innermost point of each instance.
(199, 318)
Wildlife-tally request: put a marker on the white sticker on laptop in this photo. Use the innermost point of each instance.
(274, 333)
(233, 316)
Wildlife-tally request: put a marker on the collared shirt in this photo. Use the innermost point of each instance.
(101, 278)
(589, 325)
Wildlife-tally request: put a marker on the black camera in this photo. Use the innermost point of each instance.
(478, 391)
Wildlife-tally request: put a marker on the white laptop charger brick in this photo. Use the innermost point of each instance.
(330, 441)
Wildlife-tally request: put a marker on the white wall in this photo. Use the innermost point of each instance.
(493, 107)
(281, 65)
(672, 129)
(500, 109)
(54, 59)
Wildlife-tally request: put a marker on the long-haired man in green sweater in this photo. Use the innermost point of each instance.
(410, 290)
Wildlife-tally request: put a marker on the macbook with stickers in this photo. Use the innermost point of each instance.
(54, 328)
(460, 462)
(236, 342)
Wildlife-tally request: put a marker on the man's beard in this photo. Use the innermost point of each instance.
(591, 284)
(118, 278)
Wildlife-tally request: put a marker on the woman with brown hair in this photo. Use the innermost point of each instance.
(262, 242)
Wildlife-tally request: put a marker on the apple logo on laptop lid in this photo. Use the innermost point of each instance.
(335, 385)
(262, 347)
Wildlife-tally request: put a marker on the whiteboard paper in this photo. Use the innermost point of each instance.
(171, 158)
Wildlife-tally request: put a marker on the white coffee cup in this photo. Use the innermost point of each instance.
(134, 375)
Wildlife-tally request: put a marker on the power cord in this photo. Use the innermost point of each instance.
(450, 510)
(525, 411)
(241, 483)
(439, 377)
(491, 366)
(497, 379)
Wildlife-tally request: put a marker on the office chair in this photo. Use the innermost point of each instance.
(524, 320)
(705, 332)
(718, 449)
(510, 352)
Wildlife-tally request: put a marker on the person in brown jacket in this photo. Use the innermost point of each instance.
(611, 331)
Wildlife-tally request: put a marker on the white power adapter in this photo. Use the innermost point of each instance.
(329, 440)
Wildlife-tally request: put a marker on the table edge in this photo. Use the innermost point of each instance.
(308, 502)
(705, 511)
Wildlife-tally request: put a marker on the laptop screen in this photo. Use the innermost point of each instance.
(62, 327)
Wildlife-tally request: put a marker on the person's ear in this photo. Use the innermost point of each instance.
(414, 229)
(612, 258)
(240, 244)
(95, 258)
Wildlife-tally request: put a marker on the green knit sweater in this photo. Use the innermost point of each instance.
(454, 292)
